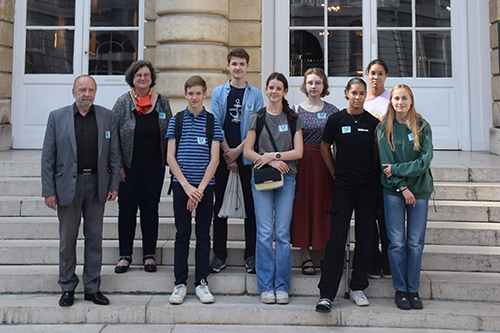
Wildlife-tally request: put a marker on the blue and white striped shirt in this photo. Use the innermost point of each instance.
(193, 155)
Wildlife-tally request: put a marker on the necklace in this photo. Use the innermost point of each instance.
(356, 121)
(274, 113)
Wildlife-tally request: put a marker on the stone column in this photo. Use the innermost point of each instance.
(149, 30)
(495, 78)
(193, 37)
(6, 43)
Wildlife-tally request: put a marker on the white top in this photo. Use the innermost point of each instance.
(378, 106)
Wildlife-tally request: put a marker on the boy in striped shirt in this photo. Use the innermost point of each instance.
(193, 165)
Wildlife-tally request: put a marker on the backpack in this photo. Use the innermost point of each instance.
(179, 122)
(292, 124)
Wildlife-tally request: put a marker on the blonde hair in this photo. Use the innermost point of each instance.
(414, 121)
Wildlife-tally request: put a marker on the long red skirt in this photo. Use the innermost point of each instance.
(311, 208)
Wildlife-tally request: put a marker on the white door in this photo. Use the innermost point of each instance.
(418, 39)
(60, 40)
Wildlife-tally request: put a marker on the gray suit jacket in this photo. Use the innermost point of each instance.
(59, 169)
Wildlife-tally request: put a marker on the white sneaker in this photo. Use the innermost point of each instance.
(203, 293)
(178, 294)
(358, 297)
(282, 297)
(268, 297)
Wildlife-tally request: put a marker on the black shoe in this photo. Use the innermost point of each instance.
(150, 268)
(123, 269)
(402, 301)
(216, 265)
(415, 301)
(324, 305)
(250, 265)
(67, 298)
(97, 297)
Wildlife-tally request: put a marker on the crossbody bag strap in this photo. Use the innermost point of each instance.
(269, 132)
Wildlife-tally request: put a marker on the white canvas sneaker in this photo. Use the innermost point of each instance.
(178, 294)
(203, 293)
(268, 297)
(358, 297)
(282, 297)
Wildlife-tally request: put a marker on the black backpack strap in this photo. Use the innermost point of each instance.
(209, 128)
(292, 124)
(179, 122)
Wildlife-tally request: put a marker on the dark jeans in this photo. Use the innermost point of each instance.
(364, 201)
(203, 219)
(220, 224)
(141, 189)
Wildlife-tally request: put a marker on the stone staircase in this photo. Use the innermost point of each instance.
(460, 279)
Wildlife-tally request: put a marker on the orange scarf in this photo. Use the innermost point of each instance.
(142, 104)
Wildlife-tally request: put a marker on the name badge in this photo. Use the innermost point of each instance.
(346, 129)
(250, 107)
(363, 130)
(202, 141)
(410, 136)
(283, 128)
(163, 115)
(107, 134)
(321, 115)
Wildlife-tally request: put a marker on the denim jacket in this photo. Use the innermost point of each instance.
(252, 102)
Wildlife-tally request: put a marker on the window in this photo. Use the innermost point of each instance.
(412, 37)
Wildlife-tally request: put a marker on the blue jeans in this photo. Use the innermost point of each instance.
(405, 244)
(203, 220)
(274, 271)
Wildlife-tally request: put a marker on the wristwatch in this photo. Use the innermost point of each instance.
(278, 156)
(402, 189)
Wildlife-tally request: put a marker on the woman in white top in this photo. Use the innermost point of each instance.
(377, 101)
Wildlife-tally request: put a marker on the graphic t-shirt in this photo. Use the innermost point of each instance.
(233, 117)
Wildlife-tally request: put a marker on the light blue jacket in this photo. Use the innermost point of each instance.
(252, 102)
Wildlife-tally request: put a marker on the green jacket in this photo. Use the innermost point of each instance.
(408, 167)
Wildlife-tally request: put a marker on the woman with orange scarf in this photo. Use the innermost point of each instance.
(142, 116)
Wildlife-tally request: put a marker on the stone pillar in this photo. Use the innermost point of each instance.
(193, 37)
(149, 30)
(6, 43)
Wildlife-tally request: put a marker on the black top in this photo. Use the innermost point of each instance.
(86, 140)
(232, 131)
(147, 150)
(355, 159)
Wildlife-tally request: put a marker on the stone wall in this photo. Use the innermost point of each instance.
(6, 43)
(193, 38)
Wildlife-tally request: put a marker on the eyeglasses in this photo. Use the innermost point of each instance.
(140, 76)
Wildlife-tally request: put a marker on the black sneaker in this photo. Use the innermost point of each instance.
(216, 265)
(402, 301)
(250, 265)
(415, 301)
(324, 305)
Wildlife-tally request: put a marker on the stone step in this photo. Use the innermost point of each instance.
(435, 257)
(466, 211)
(248, 310)
(460, 286)
(32, 186)
(35, 206)
(471, 191)
(438, 232)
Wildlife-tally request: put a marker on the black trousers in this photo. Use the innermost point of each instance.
(220, 224)
(346, 199)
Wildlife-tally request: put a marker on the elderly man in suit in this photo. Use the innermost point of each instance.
(80, 170)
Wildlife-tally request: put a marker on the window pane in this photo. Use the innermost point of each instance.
(112, 52)
(395, 48)
(434, 54)
(50, 12)
(345, 53)
(114, 13)
(306, 13)
(394, 13)
(433, 13)
(343, 13)
(306, 51)
(49, 52)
